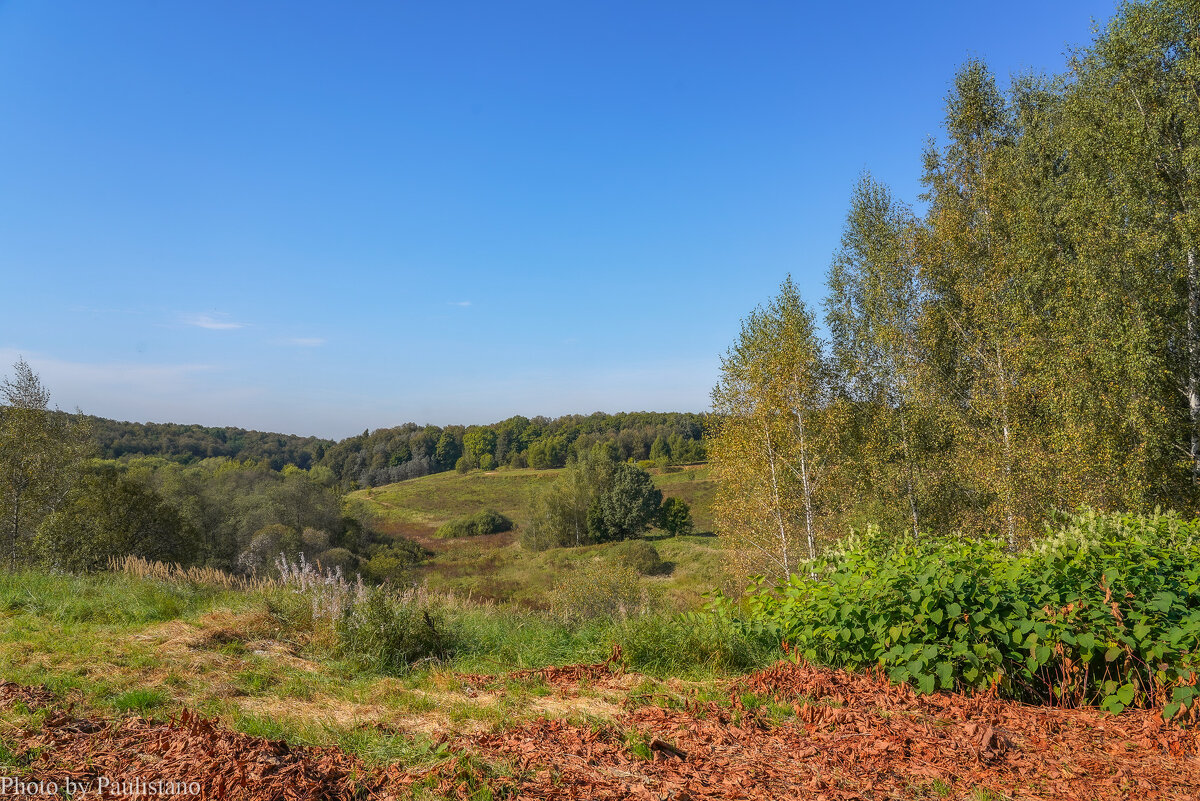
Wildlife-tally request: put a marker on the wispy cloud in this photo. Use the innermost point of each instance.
(459, 303)
(211, 394)
(303, 342)
(217, 321)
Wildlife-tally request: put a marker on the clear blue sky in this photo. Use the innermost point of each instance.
(323, 217)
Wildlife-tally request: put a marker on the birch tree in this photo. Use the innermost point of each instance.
(768, 452)
(874, 311)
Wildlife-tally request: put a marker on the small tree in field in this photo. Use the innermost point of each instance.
(675, 517)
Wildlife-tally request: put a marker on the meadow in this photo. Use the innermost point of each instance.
(495, 568)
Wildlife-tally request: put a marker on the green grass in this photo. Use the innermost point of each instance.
(141, 700)
(693, 485)
(494, 568)
(214, 655)
(428, 502)
(420, 505)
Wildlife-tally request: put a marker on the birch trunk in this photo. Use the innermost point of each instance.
(808, 510)
(777, 504)
(1193, 357)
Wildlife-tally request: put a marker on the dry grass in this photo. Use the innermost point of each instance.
(203, 576)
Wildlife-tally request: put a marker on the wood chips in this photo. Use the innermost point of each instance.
(831, 735)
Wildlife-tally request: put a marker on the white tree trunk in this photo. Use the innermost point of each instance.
(808, 509)
(912, 492)
(777, 505)
(1193, 357)
(1009, 488)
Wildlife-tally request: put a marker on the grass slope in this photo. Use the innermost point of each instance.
(119, 645)
(418, 506)
(496, 568)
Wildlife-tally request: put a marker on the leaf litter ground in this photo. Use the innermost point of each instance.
(790, 731)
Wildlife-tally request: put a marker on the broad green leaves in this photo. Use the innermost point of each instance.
(1105, 611)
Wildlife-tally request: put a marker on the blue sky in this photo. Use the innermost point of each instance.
(324, 217)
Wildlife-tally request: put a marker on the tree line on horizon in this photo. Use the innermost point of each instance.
(1024, 342)
(387, 455)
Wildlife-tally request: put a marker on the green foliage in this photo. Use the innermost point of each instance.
(624, 505)
(39, 453)
(338, 559)
(479, 441)
(110, 514)
(988, 363)
(388, 632)
(675, 517)
(595, 499)
(394, 561)
(489, 521)
(1102, 610)
(641, 556)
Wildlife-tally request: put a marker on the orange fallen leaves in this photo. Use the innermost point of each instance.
(853, 736)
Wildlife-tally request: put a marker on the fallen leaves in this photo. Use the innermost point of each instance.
(851, 736)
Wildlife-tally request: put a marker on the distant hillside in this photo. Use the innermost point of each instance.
(416, 508)
(191, 443)
(494, 567)
(388, 455)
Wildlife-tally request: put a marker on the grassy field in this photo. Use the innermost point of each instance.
(118, 645)
(496, 568)
(98, 665)
(418, 506)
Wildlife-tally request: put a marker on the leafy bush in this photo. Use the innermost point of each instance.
(596, 499)
(338, 559)
(639, 555)
(1104, 610)
(675, 517)
(376, 628)
(489, 521)
(394, 562)
(388, 632)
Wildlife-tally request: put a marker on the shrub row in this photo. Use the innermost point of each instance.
(1103, 610)
(489, 521)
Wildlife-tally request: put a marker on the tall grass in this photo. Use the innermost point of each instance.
(104, 598)
(204, 576)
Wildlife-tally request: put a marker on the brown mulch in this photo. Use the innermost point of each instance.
(848, 736)
(567, 676)
(133, 754)
(852, 736)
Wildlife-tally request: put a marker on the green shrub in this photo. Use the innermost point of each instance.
(675, 517)
(388, 632)
(639, 555)
(1103, 610)
(489, 521)
(339, 559)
